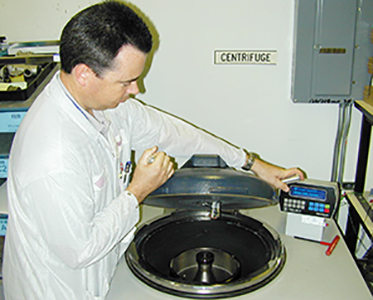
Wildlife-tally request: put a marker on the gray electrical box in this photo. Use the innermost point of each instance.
(331, 50)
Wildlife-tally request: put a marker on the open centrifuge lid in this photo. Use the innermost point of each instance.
(205, 179)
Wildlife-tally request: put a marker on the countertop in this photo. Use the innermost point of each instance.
(308, 272)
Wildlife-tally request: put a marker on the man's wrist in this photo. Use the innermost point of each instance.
(251, 158)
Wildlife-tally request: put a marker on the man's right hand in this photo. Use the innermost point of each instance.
(153, 169)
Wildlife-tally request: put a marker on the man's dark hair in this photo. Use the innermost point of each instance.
(95, 35)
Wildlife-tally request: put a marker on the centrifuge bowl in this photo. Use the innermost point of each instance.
(246, 254)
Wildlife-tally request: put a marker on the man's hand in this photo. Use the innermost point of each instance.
(153, 169)
(274, 175)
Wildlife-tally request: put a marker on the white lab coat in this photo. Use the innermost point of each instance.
(70, 218)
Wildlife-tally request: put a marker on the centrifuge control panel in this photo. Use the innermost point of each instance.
(310, 197)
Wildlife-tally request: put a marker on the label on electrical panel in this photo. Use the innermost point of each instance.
(249, 57)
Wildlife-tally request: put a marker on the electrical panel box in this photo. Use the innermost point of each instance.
(331, 50)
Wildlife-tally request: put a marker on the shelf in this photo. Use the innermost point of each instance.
(360, 211)
(366, 109)
(363, 208)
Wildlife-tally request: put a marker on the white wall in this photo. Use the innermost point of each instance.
(249, 105)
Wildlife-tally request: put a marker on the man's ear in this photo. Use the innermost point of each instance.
(82, 74)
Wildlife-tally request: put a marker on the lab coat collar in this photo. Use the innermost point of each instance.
(98, 120)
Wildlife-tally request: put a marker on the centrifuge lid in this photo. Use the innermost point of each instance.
(205, 179)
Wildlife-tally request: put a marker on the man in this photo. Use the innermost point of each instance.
(72, 207)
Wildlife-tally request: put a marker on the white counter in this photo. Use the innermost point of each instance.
(308, 272)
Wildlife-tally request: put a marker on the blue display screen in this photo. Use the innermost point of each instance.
(307, 193)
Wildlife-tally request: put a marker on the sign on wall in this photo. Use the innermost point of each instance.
(239, 57)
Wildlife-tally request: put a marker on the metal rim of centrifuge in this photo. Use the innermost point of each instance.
(244, 284)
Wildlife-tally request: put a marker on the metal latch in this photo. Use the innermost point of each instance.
(215, 210)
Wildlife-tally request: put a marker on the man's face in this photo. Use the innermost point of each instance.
(117, 84)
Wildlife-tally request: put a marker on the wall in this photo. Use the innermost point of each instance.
(248, 105)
